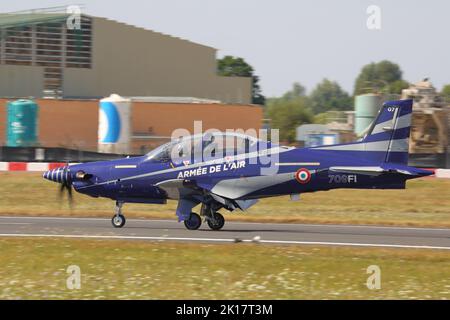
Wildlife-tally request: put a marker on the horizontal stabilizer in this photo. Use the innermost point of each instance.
(376, 171)
(372, 171)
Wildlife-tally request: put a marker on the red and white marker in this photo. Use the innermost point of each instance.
(303, 176)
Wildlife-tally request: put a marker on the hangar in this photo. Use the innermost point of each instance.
(41, 55)
(67, 68)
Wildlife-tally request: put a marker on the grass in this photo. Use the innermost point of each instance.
(144, 270)
(425, 202)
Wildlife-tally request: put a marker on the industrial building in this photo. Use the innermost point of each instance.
(74, 124)
(65, 70)
(431, 121)
(430, 129)
(41, 55)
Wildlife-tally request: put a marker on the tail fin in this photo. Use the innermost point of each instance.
(387, 139)
(391, 130)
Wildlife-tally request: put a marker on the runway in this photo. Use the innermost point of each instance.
(233, 232)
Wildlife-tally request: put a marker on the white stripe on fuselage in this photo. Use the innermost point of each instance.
(297, 164)
(126, 166)
(399, 145)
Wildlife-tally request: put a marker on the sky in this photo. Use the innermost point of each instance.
(289, 41)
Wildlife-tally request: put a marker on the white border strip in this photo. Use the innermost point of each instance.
(37, 167)
(4, 166)
(442, 173)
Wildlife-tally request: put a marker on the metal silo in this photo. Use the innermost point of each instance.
(22, 123)
(114, 129)
(366, 110)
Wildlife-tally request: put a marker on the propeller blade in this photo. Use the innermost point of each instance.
(70, 196)
(66, 185)
(61, 191)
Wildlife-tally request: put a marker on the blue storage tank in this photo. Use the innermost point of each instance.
(114, 130)
(22, 123)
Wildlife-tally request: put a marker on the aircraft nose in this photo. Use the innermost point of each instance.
(58, 175)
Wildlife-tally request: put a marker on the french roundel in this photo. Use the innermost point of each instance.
(303, 176)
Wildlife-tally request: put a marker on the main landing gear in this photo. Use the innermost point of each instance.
(194, 222)
(118, 221)
(214, 219)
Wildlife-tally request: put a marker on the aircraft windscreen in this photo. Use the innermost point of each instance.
(202, 147)
(162, 153)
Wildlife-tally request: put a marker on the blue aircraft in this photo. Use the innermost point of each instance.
(202, 169)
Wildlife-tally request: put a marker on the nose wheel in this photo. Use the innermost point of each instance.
(118, 221)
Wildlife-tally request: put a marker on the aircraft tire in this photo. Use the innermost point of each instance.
(194, 222)
(118, 221)
(217, 223)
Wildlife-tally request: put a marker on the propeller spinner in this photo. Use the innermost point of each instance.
(64, 177)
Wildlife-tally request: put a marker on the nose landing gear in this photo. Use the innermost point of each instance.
(118, 220)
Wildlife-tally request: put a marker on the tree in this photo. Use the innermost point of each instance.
(384, 76)
(321, 118)
(297, 91)
(230, 66)
(397, 86)
(446, 93)
(286, 115)
(328, 95)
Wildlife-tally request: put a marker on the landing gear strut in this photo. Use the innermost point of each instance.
(118, 220)
(215, 220)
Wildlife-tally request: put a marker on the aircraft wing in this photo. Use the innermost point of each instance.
(177, 189)
(189, 190)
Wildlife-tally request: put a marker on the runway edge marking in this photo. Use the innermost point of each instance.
(235, 223)
(344, 244)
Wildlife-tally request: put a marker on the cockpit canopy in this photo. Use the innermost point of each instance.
(204, 147)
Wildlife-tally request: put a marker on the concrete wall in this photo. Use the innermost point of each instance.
(74, 123)
(21, 81)
(137, 62)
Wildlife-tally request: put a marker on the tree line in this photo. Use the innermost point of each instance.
(297, 107)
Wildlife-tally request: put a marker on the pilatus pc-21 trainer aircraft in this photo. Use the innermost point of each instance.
(207, 169)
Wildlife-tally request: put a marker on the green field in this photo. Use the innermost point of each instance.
(425, 202)
(36, 269)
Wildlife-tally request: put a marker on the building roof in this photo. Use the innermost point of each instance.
(8, 20)
(25, 18)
